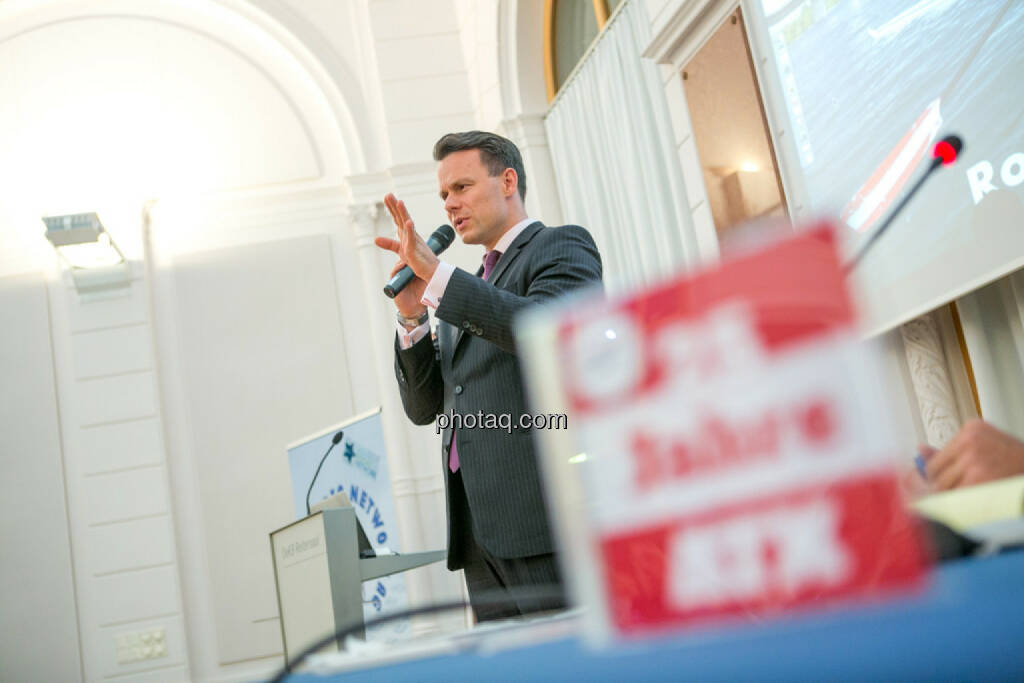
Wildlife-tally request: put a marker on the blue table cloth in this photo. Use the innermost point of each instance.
(967, 625)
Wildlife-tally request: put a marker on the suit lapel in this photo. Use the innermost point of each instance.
(514, 249)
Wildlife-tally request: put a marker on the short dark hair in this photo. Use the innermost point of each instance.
(496, 152)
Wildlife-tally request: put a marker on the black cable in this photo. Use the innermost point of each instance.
(935, 163)
(953, 144)
(484, 599)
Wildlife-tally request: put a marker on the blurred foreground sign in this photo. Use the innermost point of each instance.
(738, 458)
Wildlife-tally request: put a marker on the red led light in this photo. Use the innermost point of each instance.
(944, 151)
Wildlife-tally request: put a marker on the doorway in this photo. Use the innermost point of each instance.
(731, 132)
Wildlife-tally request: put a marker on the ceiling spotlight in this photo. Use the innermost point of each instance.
(81, 241)
(97, 266)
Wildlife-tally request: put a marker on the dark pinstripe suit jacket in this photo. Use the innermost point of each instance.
(472, 367)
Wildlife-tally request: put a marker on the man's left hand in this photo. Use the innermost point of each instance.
(978, 453)
(412, 249)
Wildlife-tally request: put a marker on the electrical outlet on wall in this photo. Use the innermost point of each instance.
(139, 645)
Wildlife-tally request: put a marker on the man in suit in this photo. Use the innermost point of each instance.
(498, 530)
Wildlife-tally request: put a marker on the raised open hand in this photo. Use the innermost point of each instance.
(412, 250)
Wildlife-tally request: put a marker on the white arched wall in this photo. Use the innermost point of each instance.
(365, 89)
(107, 104)
(216, 96)
(519, 73)
(522, 56)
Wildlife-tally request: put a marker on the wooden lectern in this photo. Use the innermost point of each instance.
(320, 563)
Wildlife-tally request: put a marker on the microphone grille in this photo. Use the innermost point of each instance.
(445, 235)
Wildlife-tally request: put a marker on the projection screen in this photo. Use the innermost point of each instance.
(857, 93)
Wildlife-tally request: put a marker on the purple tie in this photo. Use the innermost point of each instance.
(490, 260)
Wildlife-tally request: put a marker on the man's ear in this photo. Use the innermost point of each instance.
(509, 182)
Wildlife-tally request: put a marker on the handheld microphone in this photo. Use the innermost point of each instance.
(334, 442)
(944, 153)
(438, 242)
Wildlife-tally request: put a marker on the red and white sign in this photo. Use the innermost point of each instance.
(739, 458)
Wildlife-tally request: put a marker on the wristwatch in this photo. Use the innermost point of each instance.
(412, 323)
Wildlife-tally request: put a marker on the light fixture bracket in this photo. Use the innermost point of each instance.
(95, 263)
(78, 228)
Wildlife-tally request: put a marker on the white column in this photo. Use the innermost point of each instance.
(529, 134)
(403, 476)
(930, 375)
(124, 554)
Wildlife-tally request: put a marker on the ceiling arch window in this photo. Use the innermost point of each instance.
(570, 27)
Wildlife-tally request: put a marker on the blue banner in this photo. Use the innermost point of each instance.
(358, 466)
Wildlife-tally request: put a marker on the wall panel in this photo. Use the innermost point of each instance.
(262, 364)
(37, 599)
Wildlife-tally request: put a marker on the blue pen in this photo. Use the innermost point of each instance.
(920, 462)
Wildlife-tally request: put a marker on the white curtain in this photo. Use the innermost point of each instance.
(615, 161)
(993, 324)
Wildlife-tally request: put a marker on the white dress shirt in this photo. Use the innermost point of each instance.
(439, 283)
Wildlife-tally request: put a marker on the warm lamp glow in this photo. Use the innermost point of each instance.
(91, 255)
(81, 241)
